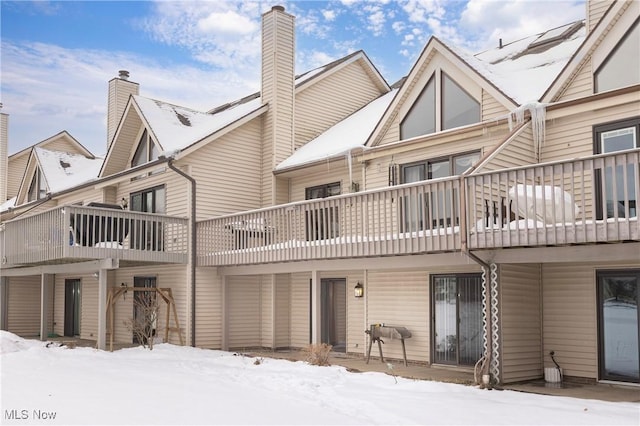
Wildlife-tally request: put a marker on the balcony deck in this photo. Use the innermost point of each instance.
(70, 234)
(582, 201)
(589, 200)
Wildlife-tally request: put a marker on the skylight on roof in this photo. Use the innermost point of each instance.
(556, 35)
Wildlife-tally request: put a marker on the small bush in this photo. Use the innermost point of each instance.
(318, 354)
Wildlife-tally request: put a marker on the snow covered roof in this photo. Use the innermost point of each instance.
(350, 133)
(63, 170)
(524, 69)
(11, 202)
(176, 127)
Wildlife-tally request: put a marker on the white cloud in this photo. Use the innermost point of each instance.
(37, 71)
(398, 27)
(329, 15)
(208, 30)
(229, 22)
(485, 22)
(377, 20)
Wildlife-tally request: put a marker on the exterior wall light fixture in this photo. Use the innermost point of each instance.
(358, 290)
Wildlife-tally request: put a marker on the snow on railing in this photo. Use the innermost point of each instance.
(587, 200)
(405, 219)
(76, 232)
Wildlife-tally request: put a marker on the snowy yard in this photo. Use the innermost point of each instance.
(183, 385)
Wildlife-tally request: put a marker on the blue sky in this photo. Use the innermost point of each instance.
(57, 56)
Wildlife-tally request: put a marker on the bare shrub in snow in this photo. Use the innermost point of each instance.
(318, 354)
(143, 325)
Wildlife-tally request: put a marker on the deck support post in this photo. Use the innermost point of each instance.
(4, 302)
(225, 314)
(316, 330)
(45, 305)
(102, 309)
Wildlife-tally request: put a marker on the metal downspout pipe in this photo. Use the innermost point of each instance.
(192, 250)
(486, 363)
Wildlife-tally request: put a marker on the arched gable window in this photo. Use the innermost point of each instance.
(620, 69)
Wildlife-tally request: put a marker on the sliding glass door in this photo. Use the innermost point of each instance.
(619, 325)
(457, 318)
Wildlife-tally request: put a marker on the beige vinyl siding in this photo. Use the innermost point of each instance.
(88, 303)
(176, 187)
(569, 320)
(581, 84)
(377, 170)
(267, 295)
(491, 108)
(127, 139)
(595, 10)
(23, 313)
(83, 196)
(401, 298)
(322, 175)
(299, 307)
(521, 321)
(226, 171)
(15, 171)
(572, 136)
(208, 308)
(570, 315)
(119, 92)
(62, 144)
(167, 276)
(244, 311)
(518, 152)
(331, 99)
(278, 67)
(356, 309)
(282, 311)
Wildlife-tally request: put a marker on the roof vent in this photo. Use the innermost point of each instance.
(123, 74)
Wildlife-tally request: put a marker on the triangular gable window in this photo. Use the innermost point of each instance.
(38, 187)
(620, 69)
(146, 150)
(421, 119)
(458, 107)
(443, 104)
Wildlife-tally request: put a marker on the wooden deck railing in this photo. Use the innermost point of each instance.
(406, 219)
(74, 232)
(588, 200)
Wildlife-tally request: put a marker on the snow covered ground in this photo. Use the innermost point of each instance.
(184, 385)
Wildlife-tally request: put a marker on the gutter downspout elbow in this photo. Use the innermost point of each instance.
(192, 250)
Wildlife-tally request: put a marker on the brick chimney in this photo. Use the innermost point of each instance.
(278, 68)
(4, 155)
(595, 11)
(120, 88)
